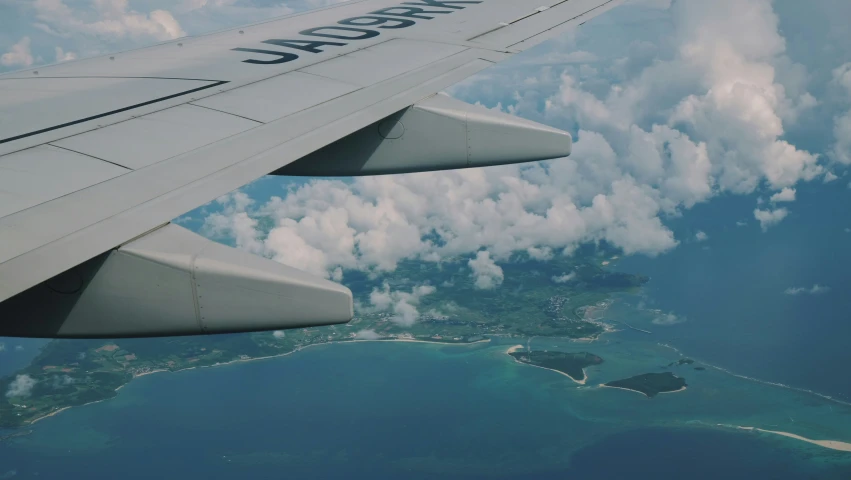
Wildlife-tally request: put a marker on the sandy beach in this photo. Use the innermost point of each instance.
(514, 349)
(603, 385)
(831, 444)
(49, 415)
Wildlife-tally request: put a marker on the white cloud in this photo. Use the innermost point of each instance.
(701, 236)
(768, 218)
(814, 290)
(21, 386)
(59, 381)
(63, 56)
(402, 304)
(279, 334)
(108, 20)
(704, 112)
(367, 335)
(2, 347)
(564, 278)
(19, 55)
(487, 273)
(741, 223)
(19, 348)
(785, 195)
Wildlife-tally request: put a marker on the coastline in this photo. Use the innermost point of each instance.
(830, 444)
(48, 415)
(239, 360)
(514, 349)
(603, 385)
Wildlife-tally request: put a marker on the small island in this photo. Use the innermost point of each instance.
(682, 361)
(570, 364)
(650, 384)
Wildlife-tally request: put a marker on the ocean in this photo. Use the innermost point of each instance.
(730, 289)
(395, 410)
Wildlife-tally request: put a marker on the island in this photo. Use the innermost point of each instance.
(682, 361)
(570, 364)
(650, 384)
(529, 303)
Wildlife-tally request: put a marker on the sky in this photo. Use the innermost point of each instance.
(671, 103)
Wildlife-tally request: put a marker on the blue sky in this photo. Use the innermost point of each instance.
(672, 104)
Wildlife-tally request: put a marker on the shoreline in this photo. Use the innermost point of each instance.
(757, 380)
(48, 415)
(514, 349)
(239, 360)
(829, 444)
(603, 385)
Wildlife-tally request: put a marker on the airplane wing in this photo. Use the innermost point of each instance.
(98, 155)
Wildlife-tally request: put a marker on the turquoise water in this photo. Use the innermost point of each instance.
(382, 410)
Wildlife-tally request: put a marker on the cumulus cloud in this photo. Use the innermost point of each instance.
(768, 218)
(487, 274)
(785, 195)
(367, 335)
(402, 304)
(814, 290)
(702, 113)
(21, 386)
(108, 20)
(63, 56)
(2, 347)
(19, 55)
(564, 278)
(279, 334)
(701, 236)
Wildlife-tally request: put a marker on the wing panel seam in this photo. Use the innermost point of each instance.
(113, 112)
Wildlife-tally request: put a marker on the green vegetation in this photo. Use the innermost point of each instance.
(528, 303)
(651, 384)
(571, 364)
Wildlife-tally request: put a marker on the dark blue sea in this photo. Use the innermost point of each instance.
(377, 411)
(730, 289)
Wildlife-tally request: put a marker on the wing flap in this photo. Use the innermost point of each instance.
(37, 110)
(37, 175)
(159, 136)
(277, 97)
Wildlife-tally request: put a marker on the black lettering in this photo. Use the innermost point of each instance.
(311, 46)
(365, 33)
(410, 12)
(284, 56)
(441, 3)
(400, 23)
